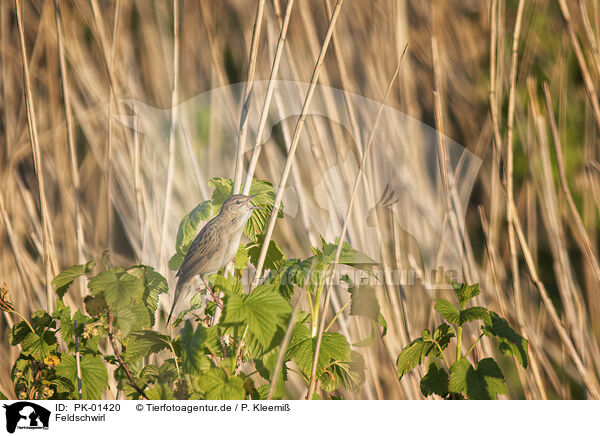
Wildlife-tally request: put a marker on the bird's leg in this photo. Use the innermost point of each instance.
(212, 292)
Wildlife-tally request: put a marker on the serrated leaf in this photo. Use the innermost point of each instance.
(160, 391)
(473, 314)
(483, 383)
(465, 293)
(194, 346)
(348, 256)
(142, 343)
(218, 386)
(509, 341)
(134, 317)
(63, 280)
(39, 347)
(262, 311)
(435, 381)
(94, 305)
(118, 287)
(18, 333)
(413, 355)
(189, 225)
(349, 374)
(334, 346)
(274, 258)
(241, 257)
(442, 335)
(448, 311)
(94, 377)
(175, 262)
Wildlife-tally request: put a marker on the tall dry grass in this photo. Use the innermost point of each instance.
(514, 82)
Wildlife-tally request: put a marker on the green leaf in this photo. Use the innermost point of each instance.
(154, 284)
(465, 293)
(265, 197)
(348, 256)
(334, 346)
(448, 311)
(413, 355)
(442, 335)
(218, 386)
(509, 341)
(160, 392)
(274, 258)
(134, 317)
(2, 396)
(142, 343)
(435, 381)
(94, 378)
(483, 383)
(18, 333)
(95, 305)
(262, 311)
(349, 374)
(118, 287)
(175, 261)
(474, 313)
(40, 346)
(62, 281)
(194, 344)
(241, 257)
(188, 227)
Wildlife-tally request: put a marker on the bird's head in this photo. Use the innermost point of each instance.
(239, 204)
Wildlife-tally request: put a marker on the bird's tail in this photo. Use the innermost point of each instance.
(176, 296)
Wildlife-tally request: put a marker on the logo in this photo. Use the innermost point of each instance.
(26, 415)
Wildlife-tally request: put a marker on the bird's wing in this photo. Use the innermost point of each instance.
(198, 254)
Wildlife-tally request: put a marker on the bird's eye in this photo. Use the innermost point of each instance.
(238, 202)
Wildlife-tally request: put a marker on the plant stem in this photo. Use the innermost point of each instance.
(337, 314)
(439, 347)
(124, 365)
(473, 346)
(175, 359)
(458, 342)
(24, 319)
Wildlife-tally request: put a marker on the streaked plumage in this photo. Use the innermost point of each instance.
(216, 244)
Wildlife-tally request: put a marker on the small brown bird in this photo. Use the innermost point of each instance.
(216, 244)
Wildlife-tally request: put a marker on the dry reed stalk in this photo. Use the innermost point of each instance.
(585, 73)
(583, 240)
(70, 137)
(264, 115)
(295, 139)
(246, 96)
(589, 380)
(172, 127)
(48, 248)
(360, 174)
(509, 165)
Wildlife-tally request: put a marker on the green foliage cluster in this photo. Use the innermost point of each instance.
(69, 354)
(461, 379)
